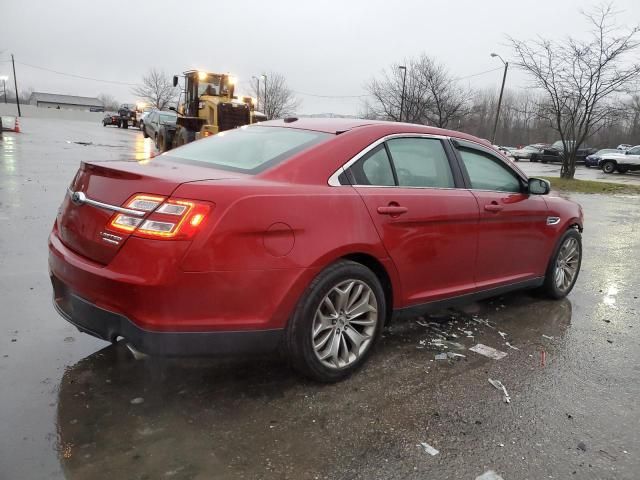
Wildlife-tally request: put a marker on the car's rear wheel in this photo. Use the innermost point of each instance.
(608, 167)
(144, 132)
(336, 322)
(564, 266)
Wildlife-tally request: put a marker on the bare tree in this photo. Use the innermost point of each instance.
(276, 99)
(581, 77)
(156, 89)
(431, 95)
(108, 101)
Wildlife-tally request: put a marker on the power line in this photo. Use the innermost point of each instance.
(479, 73)
(77, 76)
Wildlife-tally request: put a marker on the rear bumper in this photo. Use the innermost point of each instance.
(106, 325)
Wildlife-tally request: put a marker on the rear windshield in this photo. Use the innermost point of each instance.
(168, 119)
(248, 149)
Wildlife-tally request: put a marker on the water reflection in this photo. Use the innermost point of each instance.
(610, 295)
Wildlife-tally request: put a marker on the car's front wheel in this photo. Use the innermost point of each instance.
(609, 167)
(564, 266)
(336, 322)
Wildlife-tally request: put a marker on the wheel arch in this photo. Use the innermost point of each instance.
(380, 271)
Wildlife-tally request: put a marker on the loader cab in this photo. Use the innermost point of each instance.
(203, 84)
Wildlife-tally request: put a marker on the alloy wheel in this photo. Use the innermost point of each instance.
(344, 324)
(567, 264)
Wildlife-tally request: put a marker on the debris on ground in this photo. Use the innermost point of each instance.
(582, 446)
(543, 358)
(137, 401)
(548, 337)
(489, 475)
(428, 448)
(488, 351)
(441, 356)
(511, 346)
(502, 334)
(498, 384)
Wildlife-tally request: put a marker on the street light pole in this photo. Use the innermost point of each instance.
(504, 78)
(4, 87)
(404, 79)
(264, 104)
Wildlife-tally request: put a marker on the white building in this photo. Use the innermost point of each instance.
(66, 102)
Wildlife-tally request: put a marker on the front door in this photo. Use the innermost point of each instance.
(428, 227)
(513, 233)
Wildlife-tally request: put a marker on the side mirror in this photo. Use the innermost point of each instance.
(173, 108)
(175, 80)
(539, 186)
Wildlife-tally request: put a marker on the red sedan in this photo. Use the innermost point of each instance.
(303, 234)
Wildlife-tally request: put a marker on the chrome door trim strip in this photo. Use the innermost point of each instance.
(333, 179)
(80, 198)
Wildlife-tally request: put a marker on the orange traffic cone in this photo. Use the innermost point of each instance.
(17, 127)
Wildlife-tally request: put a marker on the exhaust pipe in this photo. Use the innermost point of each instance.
(137, 354)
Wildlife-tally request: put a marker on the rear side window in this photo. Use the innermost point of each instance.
(489, 173)
(420, 162)
(373, 169)
(249, 149)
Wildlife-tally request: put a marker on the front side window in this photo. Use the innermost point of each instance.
(249, 149)
(634, 151)
(373, 169)
(487, 172)
(420, 162)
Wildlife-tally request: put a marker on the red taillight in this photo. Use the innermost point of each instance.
(169, 219)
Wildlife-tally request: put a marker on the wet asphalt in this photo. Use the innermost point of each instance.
(75, 407)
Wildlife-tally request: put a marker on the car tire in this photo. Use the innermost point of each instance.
(144, 132)
(324, 307)
(609, 167)
(564, 267)
(119, 124)
(125, 124)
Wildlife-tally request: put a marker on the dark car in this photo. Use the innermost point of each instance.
(158, 125)
(110, 119)
(593, 160)
(304, 236)
(555, 153)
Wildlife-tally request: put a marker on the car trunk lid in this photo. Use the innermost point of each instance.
(102, 187)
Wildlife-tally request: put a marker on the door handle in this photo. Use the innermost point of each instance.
(393, 210)
(493, 207)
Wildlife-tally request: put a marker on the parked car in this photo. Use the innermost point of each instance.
(156, 123)
(621, 162)
(306, 235)
(593, 160)
(110, 119)
(526, 152)
(555, 153)
(624, 146)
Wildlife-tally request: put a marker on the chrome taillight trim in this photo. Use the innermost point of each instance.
(79, 198)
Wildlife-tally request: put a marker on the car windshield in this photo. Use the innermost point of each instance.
(248, 149)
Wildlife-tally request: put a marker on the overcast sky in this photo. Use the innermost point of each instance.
(322, 47)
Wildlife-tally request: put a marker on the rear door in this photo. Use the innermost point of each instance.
(513, 236)
(428, 226)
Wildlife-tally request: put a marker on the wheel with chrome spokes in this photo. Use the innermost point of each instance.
(336, 322)
(564, 267)
(344, 323)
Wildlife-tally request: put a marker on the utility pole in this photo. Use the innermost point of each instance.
(404, 79)
(258, 93)
(504, 78)
(15, 81)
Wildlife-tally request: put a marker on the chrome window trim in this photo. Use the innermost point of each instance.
(105, 206)
(333, 179)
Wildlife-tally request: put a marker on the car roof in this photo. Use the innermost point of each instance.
(341, 125)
